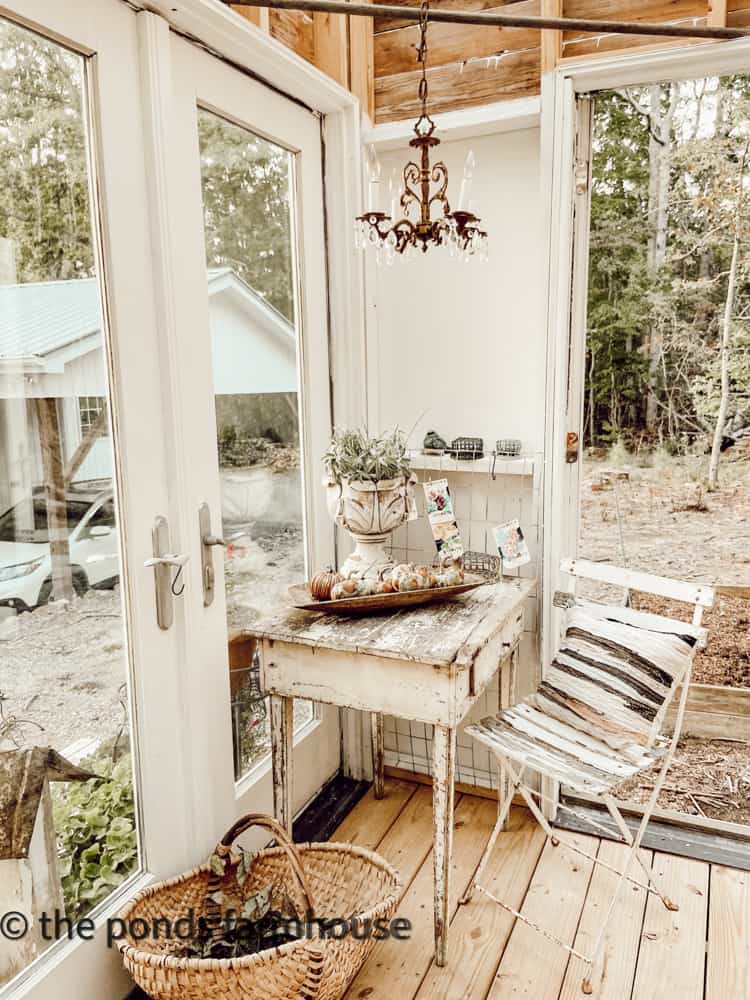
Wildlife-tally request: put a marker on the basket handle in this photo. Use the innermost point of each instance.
(284, 841)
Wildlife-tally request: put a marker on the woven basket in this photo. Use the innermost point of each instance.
(341, 879)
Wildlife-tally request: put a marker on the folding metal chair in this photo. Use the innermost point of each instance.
(596, 718)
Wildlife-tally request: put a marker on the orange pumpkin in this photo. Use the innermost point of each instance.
(322, 584)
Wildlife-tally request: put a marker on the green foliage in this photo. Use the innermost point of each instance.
(655, 319)
(97, 840)
(44, 200)
(356, 456)
(247, 208)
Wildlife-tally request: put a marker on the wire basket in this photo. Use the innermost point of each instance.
(467, 448)
(508, 447)
(479, 563)
(482, 564)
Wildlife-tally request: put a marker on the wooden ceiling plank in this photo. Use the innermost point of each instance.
(294, 29)
(583, 48)
(256, 15)
(396, 51)
(388, 24)
(453, 87)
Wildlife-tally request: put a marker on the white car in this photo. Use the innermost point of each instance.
(25, 562)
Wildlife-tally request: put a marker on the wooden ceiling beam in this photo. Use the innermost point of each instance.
(552, 41)
(362, 62)
(717, 13)
(331, 45)
(503, 20)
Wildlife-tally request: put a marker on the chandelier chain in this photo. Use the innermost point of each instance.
(422, 53)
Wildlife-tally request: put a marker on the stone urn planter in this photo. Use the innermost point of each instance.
(370, 511)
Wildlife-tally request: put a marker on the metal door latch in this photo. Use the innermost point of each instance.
(571, 447)
(163, 564)
(208, 542)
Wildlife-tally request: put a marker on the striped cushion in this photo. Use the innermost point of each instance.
(589, 722)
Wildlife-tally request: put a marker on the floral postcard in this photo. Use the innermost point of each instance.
(511, 545)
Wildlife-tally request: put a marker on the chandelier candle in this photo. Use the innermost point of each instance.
(425, 185)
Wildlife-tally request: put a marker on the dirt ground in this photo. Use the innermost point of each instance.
(726, 658)
(660, 519)
(62, 668)
(667, 523)
(707, 778)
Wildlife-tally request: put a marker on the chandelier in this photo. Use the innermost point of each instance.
(424, 186)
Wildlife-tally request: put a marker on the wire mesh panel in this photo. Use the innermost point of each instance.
(485, 493)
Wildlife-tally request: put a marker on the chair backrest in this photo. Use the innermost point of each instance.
(697, 594)
(630, 661)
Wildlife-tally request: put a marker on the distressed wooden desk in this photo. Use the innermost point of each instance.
(430, 665)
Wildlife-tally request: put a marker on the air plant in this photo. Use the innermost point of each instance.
(355, 456)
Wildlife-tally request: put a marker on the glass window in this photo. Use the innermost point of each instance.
(90, 409)
(249, 207)
(29, 520)
(104, 517)
(63, 644)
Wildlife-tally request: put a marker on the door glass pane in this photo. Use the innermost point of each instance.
(248, 202)
(63, 647)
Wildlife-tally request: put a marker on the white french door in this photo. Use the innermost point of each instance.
(247, 246)
(83, 426)
(163, 350)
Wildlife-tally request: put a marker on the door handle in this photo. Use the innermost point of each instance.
(163, 563)
(208, 542)
(212, 540)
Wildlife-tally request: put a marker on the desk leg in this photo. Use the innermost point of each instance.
(282, 731)
(378, 753)
(443, 772)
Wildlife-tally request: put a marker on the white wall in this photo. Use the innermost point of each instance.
(247, 357)
(466, 342)
(461, 348)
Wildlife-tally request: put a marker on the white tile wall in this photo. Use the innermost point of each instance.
(480, 503)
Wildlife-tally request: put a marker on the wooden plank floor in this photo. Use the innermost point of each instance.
(702, 951)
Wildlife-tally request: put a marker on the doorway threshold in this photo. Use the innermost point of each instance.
(674, 834)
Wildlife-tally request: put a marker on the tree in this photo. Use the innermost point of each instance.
(662, 243)
(662, 106)
(44, 196)
(727, 319)
(247, 207)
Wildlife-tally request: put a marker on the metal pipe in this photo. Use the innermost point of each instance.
(502, 20)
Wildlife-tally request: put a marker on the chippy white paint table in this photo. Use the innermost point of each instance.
(428, 664)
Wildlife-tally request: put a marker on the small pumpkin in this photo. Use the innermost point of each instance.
(322, 584)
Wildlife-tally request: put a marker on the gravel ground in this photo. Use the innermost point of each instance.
(707, 778)
(667, 524)
(62, 666)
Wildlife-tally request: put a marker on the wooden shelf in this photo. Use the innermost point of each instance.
(447, 464)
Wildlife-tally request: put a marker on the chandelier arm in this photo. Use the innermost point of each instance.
(440, 176)
(412, 175)
(404, 231)
(454, 229)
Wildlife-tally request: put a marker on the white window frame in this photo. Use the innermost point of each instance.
(171, 801)
(566, 277)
